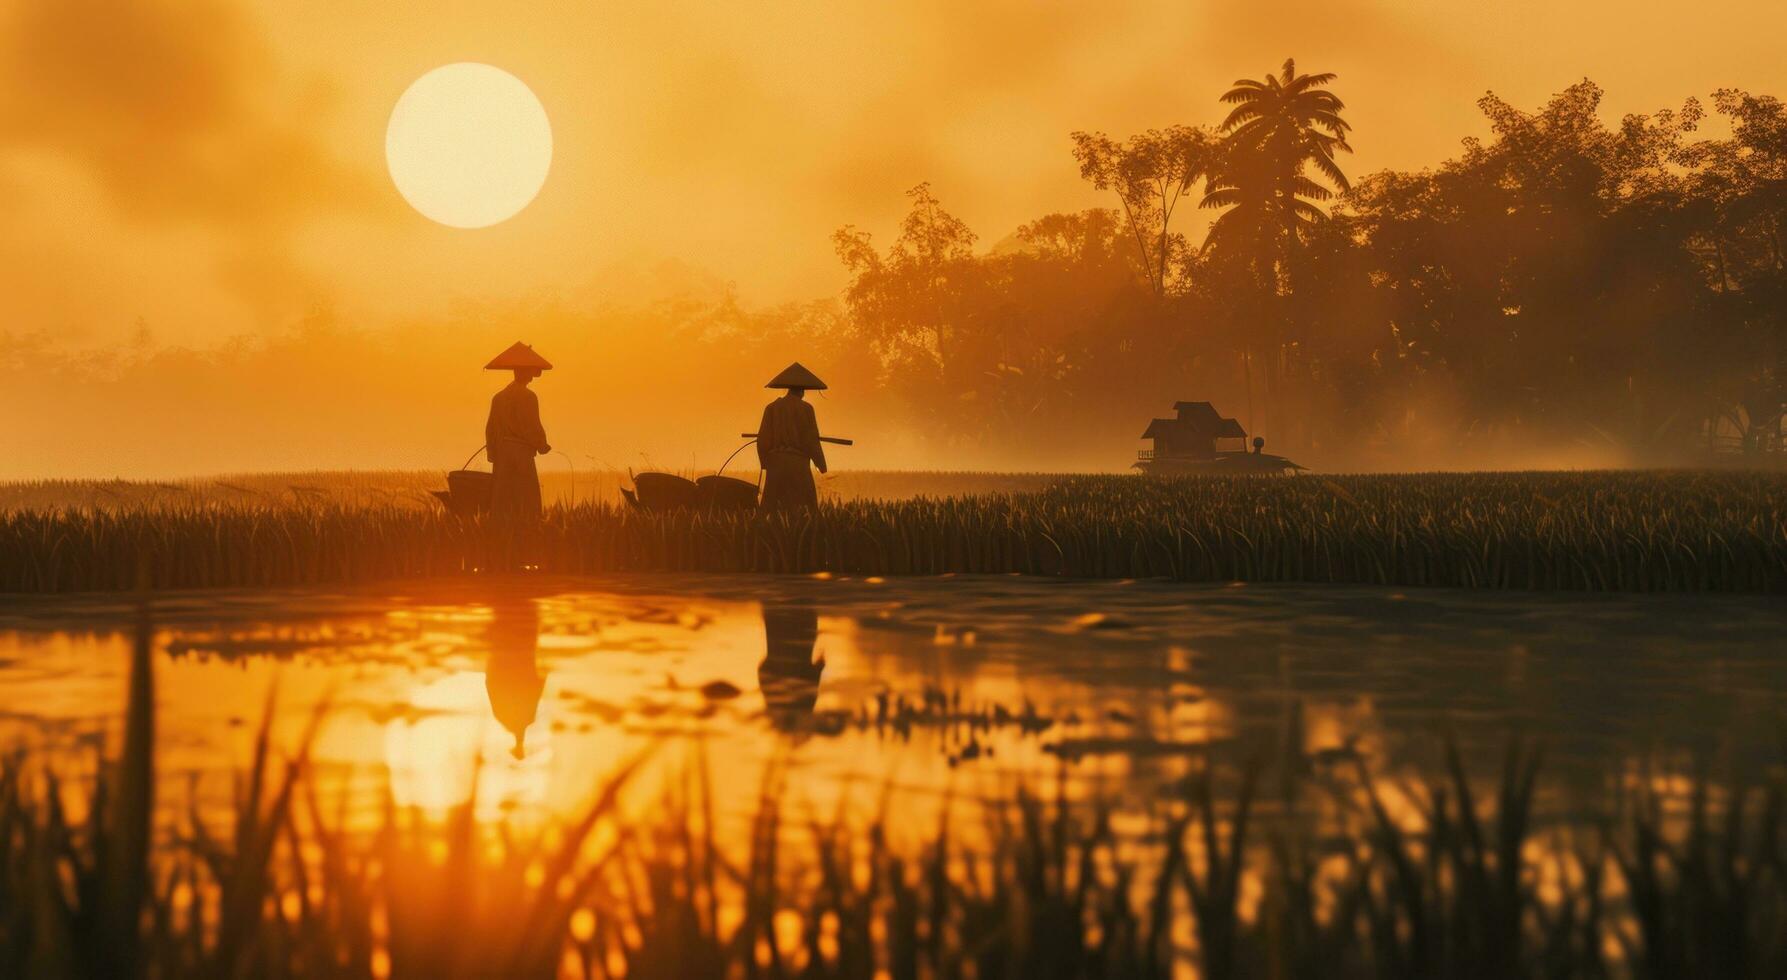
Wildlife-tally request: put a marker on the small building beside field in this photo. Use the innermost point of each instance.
(1196, 432)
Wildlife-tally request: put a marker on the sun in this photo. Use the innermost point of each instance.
(468, 145)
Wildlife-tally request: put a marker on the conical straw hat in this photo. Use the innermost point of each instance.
(517, 357)
(795, 376)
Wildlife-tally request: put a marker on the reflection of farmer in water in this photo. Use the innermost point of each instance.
(511, 677)
(789, 674)
(513, 436)
(787, 440)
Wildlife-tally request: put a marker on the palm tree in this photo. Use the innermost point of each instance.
(1280, 127)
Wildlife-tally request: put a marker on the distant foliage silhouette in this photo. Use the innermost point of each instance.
(1618, 289)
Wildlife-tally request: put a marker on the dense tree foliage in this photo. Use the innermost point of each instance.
(1561, 282)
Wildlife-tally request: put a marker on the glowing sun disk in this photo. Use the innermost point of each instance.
(468, 145)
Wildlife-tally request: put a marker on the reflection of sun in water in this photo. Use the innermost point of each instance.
(468, 145)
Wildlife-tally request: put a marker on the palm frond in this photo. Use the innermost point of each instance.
(1220, 197)
(1304, 187)
(1332, 171)
(1331, 121)
(1244, 88)
(1245, 116)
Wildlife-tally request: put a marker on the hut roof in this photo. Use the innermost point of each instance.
(1196, 412)
(1199, 418)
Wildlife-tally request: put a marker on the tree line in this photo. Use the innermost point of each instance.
(1562, 282)
(1564, 290)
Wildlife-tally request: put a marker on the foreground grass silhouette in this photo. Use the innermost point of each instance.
(1305, 866)
(1603, 531)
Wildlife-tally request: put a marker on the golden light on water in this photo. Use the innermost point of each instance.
(434, 756)
(469, 145)
(849, 729)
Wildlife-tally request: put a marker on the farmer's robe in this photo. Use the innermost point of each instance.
(787, 442)
(789, 674)
(513, 436)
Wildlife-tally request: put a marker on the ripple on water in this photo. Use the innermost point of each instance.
(540, 686)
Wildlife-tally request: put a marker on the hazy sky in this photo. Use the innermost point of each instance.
(218, 169)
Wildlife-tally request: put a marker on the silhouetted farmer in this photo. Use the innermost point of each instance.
(787, 440)
(513, 436)
(789, 673)
(512, 674)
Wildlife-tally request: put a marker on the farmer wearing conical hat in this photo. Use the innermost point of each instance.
(788, 440)
(513, 436)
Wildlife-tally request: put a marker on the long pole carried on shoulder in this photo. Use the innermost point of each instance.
(831, 439)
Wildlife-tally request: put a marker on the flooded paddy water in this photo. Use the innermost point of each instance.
(947, 776)
(525, 695)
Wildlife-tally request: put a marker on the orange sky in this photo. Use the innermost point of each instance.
(205, 174)
(217, 169)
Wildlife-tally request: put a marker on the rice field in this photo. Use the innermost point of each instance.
(409, 488)
(1601, 531)
(1293, 866)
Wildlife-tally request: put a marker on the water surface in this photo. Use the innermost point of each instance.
(530, 692)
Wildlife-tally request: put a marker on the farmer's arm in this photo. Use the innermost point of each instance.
(809, 437)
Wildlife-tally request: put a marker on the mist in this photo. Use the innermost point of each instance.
(666, 379)
(208, 270)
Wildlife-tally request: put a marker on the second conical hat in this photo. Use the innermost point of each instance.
(795, 376)
(519, 356)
